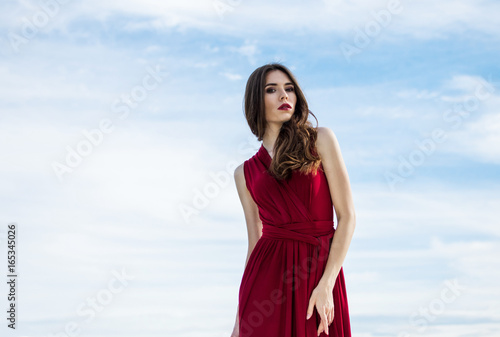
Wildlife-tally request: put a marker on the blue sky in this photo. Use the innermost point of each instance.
(116, 116)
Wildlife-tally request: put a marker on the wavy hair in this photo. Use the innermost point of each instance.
(295, 147)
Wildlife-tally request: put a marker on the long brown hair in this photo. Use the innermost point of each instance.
(295, 147)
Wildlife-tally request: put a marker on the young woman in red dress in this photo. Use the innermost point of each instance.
(293, 281)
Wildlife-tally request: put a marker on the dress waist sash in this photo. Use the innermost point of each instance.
(309, 231)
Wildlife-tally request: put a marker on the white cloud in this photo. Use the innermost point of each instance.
(479, 139)
(248, 49)
(417, 93)
(475, 131)
(423, 19)
(232, 77)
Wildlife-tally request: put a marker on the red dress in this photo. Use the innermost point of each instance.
(290, 257)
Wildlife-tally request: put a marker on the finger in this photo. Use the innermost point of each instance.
(310, 308)
(321, 326)
(324, 321)
(320, 329)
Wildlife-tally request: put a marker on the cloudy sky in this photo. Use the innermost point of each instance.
(121, 124)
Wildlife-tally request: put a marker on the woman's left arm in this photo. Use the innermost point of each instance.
(340, 190)
(328, 149)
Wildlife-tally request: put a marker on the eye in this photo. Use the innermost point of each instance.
(271, 90)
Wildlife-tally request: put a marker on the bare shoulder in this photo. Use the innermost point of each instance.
(239, 175)
(326, 142)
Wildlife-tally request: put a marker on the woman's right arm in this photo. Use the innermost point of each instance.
(251, 211)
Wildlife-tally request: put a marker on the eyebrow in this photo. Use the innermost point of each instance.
(288, 83)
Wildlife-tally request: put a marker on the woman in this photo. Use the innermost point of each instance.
(293, 282)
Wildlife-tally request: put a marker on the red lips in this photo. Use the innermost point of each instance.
(285, 106)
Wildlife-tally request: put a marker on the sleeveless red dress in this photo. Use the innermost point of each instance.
(290, 257)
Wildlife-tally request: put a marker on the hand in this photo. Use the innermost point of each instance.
(322, 298)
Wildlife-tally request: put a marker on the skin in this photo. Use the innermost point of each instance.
(340, 190)
(336, 173)
(278, 90)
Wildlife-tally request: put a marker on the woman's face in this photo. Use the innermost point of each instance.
(278, 90)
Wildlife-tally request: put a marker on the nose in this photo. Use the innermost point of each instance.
(284, 94)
